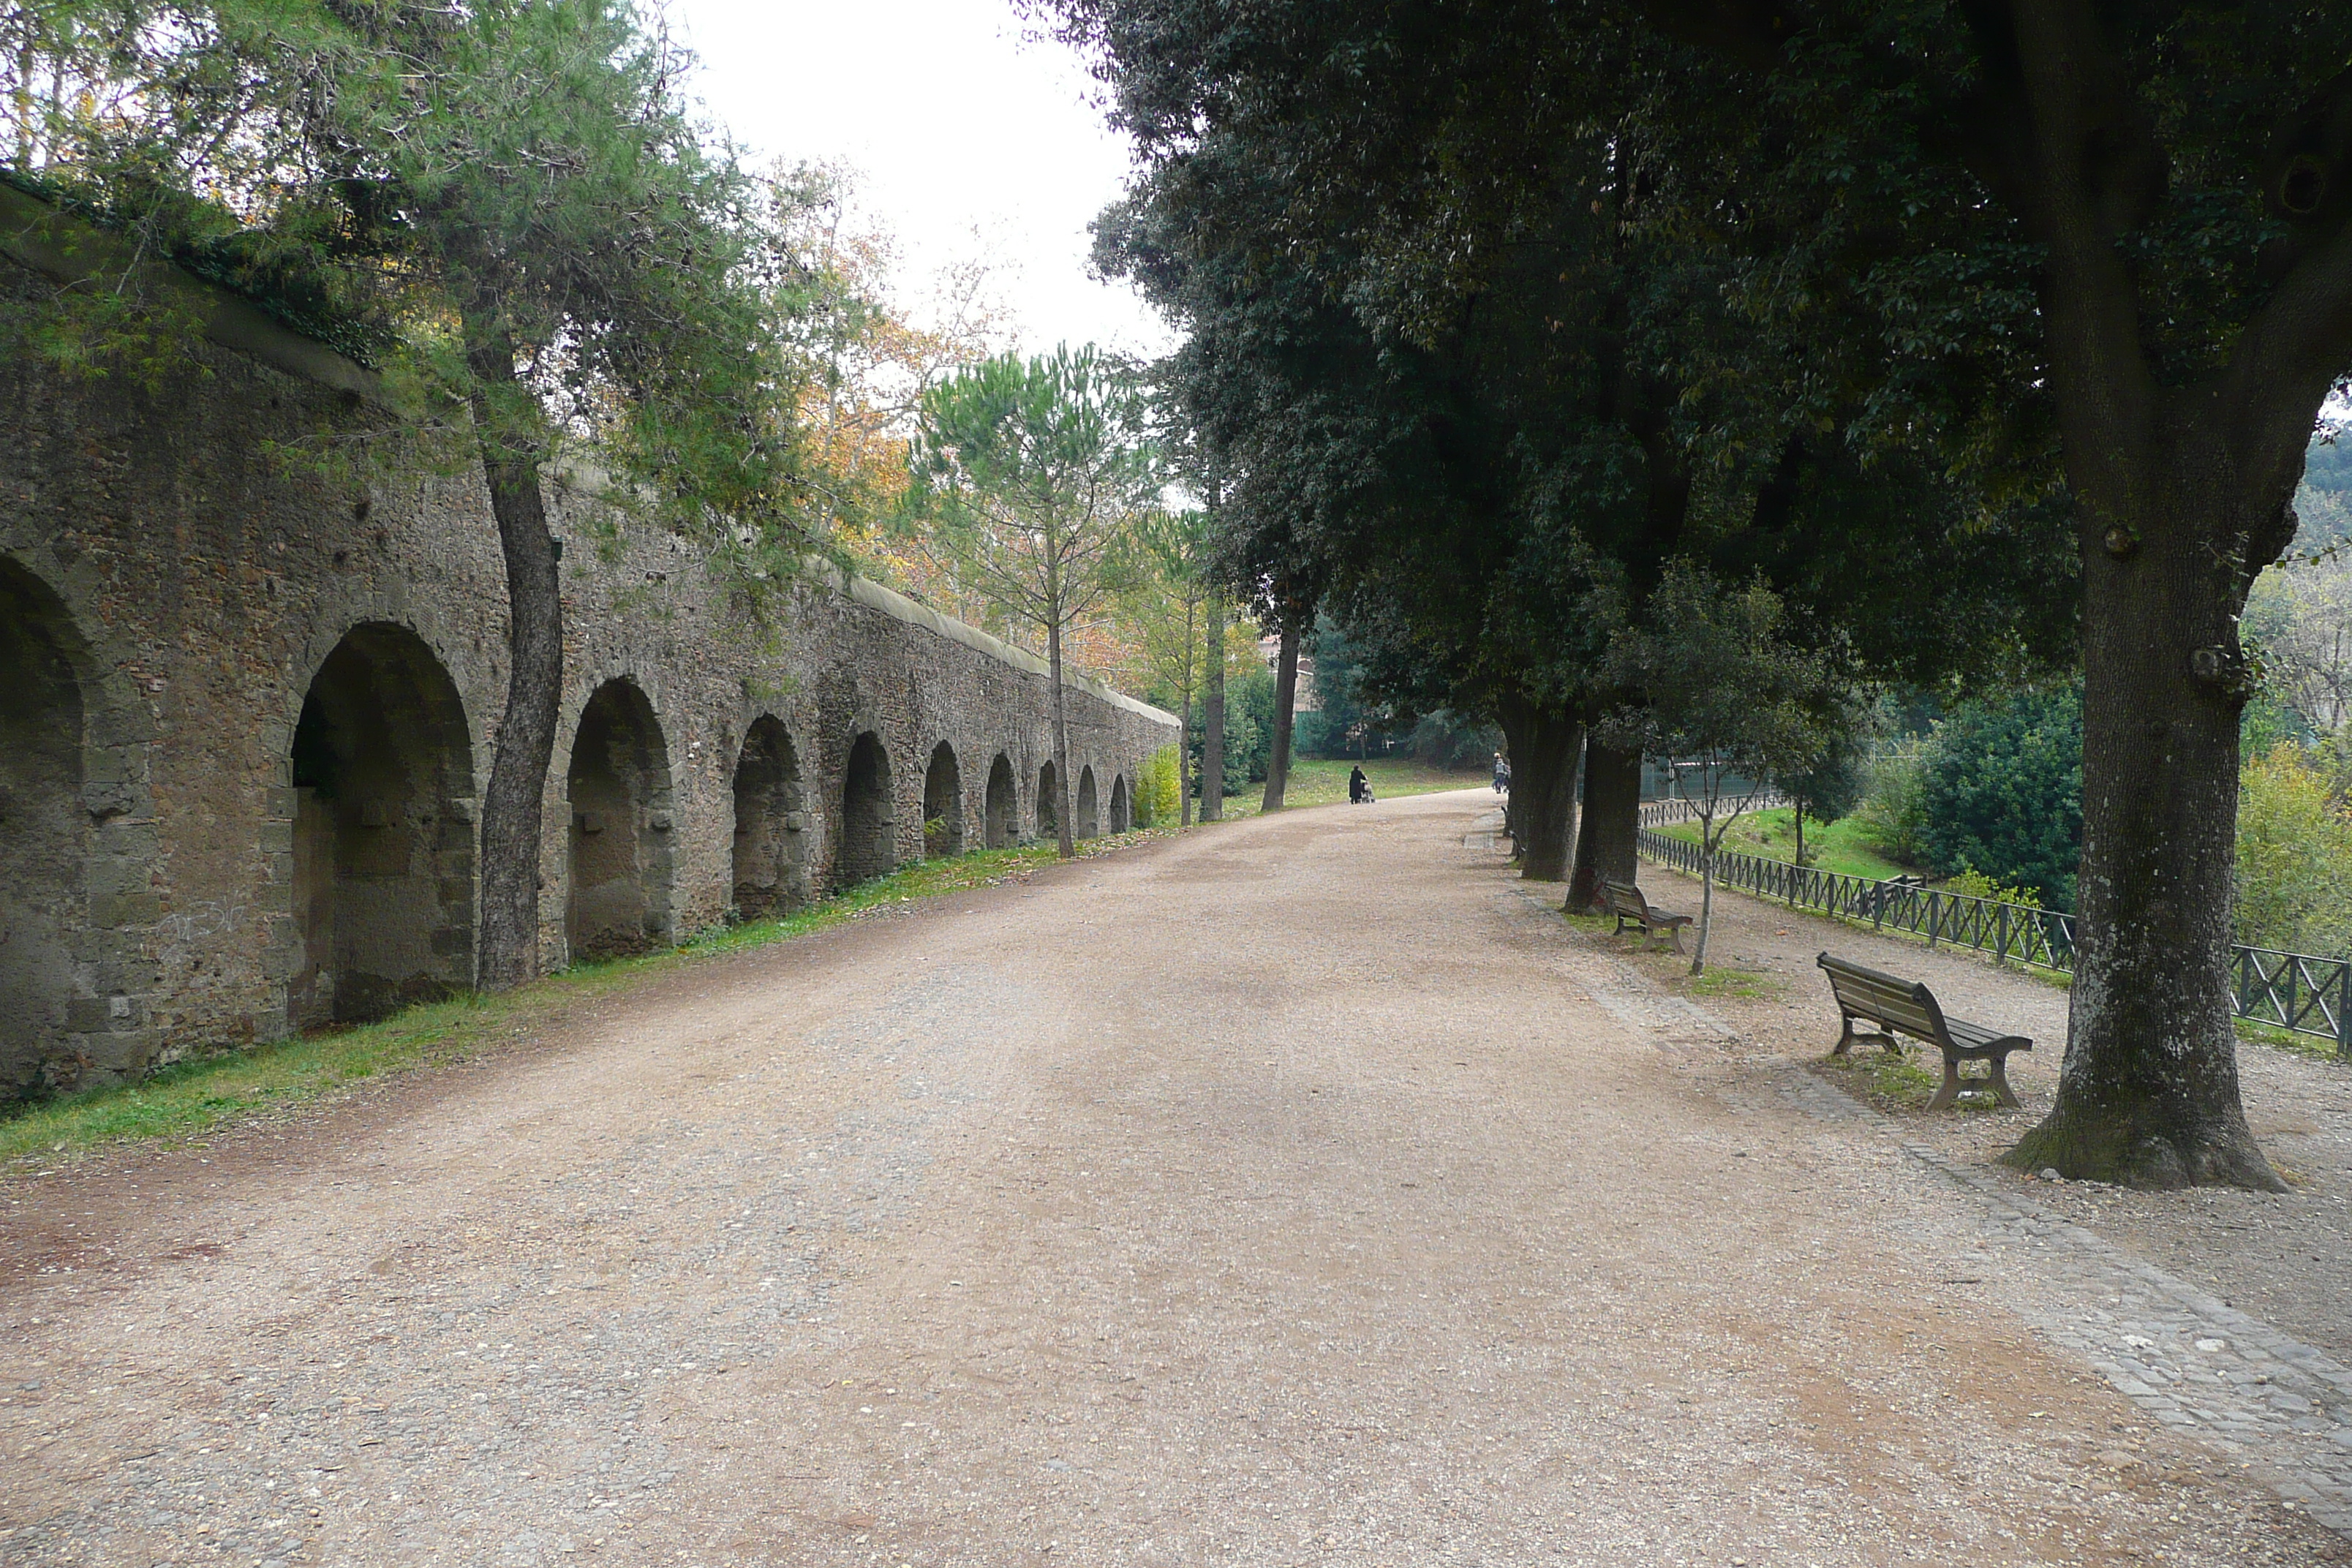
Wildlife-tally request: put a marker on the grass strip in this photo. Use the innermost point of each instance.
(1323, 780)
(189, 1097)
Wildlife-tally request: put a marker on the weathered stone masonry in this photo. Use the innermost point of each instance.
(245, 713)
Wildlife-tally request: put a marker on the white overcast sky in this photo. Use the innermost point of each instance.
(955, 120)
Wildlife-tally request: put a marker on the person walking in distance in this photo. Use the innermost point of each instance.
(1502, 774)
(1356, 786)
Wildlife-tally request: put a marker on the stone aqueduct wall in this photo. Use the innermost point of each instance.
(247, 711)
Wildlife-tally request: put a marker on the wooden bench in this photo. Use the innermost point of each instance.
(1625, 901)
(1907, 1006)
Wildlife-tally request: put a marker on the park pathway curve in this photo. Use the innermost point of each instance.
(1291, 1191)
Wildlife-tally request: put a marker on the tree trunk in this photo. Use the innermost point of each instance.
(1543, 784)
(1212, 718)
(1604, 837)
(1510, 717)
(1286, 698)
(1706, 893)
(1065, 843)
(2148, 1091)
(1184, 764)
(2184, 495)
(507, 946)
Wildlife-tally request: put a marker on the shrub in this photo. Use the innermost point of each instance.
(1977, 885)
(2001, 790)
(1156, 789)
(2295, 855)
(1893, 808)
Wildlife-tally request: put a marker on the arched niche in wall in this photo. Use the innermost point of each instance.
(1121, 809)
(942, 804)
(619, 788)
(383, 834)
(43, 826)
(1049, 803)
(770, 824)
(869, 846)
(1085, 819)
(1001, 819)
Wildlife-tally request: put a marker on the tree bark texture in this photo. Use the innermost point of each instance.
(1604, 839)
(1212, 720)
(507, 945)
(1286, 699)
(1544, 752)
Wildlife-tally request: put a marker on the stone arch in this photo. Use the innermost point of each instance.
(771, 867)
(45, 825)
(618, 786)
(942, 804)
(1087, 823)
(383, 771)
(1049, 802)
(1001, 815)
(869, 846)
(1121, 809)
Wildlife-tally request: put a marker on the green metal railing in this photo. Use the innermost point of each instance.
(2292, 991)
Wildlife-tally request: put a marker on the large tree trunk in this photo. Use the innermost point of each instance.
(1544, 749)
(2184, 495)
(1212, 718)
(1285, 698)
(2149, 1092)
(1604, 837)
(506, 947)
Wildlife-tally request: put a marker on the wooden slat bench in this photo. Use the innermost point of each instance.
(1625, 901)
(1907, 1006)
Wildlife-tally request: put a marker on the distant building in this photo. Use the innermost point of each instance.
(1309, 700)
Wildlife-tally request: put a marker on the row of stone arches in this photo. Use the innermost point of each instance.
(377, 847)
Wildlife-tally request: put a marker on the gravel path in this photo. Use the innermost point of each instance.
(1291, 1191)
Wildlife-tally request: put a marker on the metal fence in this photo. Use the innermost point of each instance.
(2289, 991)
(1680, 808)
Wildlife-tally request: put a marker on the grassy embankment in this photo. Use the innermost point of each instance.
(194, 1097)
(1771, 835)
(1315, 780)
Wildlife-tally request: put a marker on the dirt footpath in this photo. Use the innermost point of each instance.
(1291, 1192)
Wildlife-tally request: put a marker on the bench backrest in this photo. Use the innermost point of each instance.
(1904, 1005)
(1627, 897)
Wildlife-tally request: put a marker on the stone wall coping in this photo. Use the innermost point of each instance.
(901, 607)
(60, 245)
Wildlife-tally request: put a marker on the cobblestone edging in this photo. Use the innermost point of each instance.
(2192, 1362)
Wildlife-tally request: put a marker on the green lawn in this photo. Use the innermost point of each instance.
(1773, 834)
(1316, 782)
(192, 1097)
